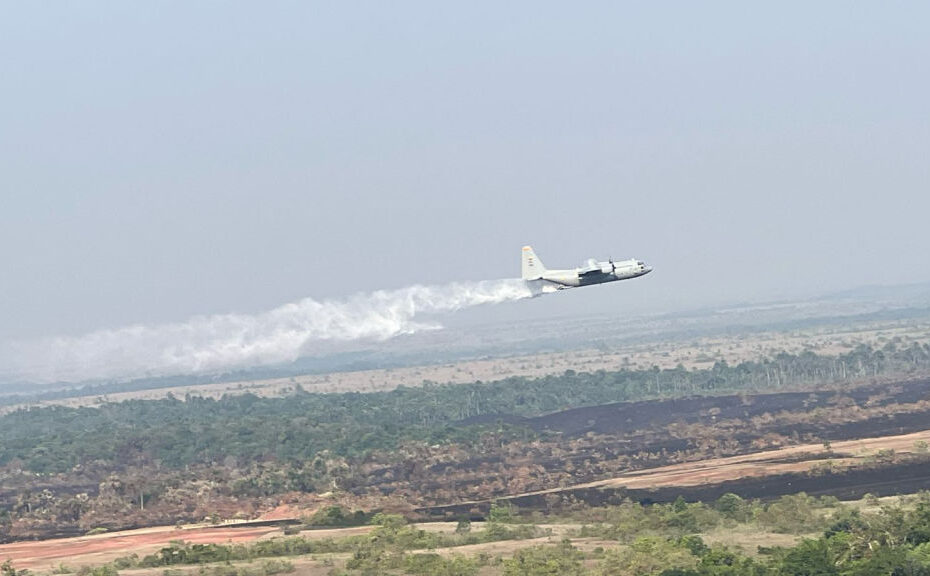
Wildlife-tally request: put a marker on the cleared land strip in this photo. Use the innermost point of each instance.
(799, 459)
(102, 548)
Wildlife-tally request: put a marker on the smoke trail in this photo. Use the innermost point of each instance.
(229, 341)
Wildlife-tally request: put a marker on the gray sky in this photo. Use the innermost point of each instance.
(160, 160)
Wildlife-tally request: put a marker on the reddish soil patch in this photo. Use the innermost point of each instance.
(101, 548)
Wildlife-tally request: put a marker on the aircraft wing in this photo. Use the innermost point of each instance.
(590, 268)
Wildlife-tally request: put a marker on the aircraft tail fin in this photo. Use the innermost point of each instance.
(532, 266)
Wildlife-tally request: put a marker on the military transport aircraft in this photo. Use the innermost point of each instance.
(593, 272)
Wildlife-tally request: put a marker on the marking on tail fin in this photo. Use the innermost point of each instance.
(532, 268)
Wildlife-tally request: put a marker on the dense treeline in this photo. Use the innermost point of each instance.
(298, 428)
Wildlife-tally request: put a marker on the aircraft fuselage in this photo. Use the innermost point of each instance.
(593, 272)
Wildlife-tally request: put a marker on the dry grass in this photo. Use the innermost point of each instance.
(747, 538)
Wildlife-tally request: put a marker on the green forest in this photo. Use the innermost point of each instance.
(177, 433)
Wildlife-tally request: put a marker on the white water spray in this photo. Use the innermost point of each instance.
(231, 341)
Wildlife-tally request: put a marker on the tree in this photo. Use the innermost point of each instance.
(559, 560)
(809, 558)
(499, 513)
(647, 555)
(732, 506)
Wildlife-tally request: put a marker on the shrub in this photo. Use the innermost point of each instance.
(545, 560)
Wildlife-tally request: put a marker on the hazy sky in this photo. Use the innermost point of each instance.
(160, 160)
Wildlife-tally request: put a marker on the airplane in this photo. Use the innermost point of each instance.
(593, 272)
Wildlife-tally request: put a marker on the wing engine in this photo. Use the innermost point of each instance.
(593, 267)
